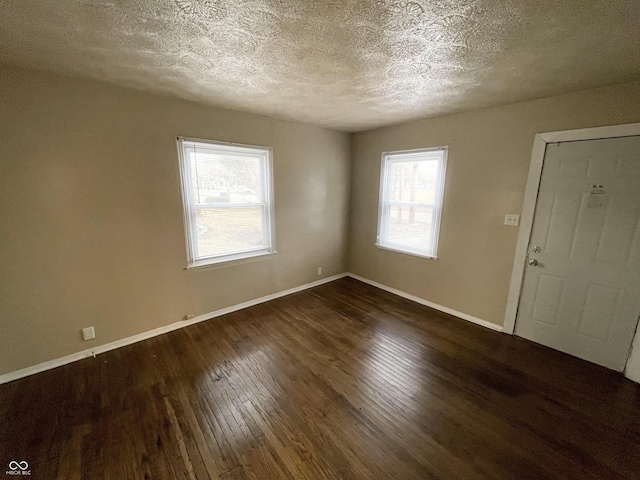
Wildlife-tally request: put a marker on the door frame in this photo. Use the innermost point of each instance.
(540, 143)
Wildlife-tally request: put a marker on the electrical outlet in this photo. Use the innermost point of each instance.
(319, 270)
(88, 333)
(512, 219)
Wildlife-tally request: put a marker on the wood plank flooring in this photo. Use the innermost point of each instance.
(343, 381)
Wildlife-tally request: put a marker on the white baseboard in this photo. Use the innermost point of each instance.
(58, 362)
(427, 303)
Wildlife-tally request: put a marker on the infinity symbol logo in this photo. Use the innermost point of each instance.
(13, 465)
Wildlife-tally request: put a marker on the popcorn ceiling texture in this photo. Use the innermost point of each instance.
(345, 64)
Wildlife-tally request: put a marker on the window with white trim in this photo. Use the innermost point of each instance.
(228, 201)
(411, 190)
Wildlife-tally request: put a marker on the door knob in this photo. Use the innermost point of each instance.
(533, 262)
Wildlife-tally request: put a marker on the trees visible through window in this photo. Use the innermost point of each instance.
(411, 189)
(227, 194)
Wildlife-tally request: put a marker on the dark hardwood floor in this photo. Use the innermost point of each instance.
(340, 381)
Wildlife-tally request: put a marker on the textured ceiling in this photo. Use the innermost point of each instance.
(346, 64)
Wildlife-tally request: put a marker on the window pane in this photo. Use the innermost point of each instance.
(412, 185)
(410, 227)
(227, 230)
(221, 177)
(227, 200)
(413, 181)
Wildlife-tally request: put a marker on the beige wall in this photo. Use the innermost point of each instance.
(489, 154)
(91, 229)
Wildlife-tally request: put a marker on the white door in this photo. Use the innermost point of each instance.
(581, 289)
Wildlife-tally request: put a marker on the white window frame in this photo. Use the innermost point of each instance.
(385, 203)
(194, 260)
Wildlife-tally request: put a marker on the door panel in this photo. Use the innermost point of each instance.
(583, 296)
(598, 311)
(547, 299)
(562, 223)
(617, 238)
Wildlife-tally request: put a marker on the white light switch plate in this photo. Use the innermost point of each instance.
(512, 219)
(88, 333)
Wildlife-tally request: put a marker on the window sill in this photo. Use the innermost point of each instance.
(228, 262)
(406, 252)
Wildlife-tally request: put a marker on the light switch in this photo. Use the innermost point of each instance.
(512, 219)
(88, 333)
